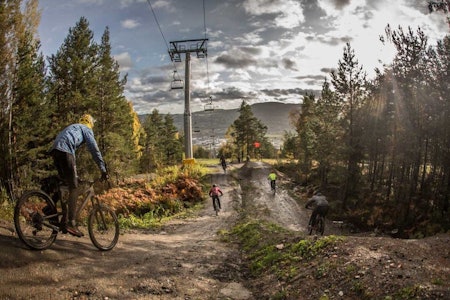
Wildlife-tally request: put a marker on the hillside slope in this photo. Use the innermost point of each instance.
(192, 257)
(274, 115)
(363, 266)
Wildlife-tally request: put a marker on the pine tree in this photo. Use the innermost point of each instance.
(162, 145)
(172, 145)
(71, 76)
(248, 130)
(21, 94)
(153, 126)
(115, 115)
(30, 117)
(349, 82)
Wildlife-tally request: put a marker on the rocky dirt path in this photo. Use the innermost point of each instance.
(183, 260)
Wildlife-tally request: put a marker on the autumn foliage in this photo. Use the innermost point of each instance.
(140, 196)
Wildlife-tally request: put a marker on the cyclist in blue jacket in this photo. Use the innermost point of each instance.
(63, 152)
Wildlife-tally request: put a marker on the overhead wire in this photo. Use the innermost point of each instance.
(162, 34)
(213, 135)
(206, 57)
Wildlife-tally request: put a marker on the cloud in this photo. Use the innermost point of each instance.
(232, 93)
(129, 23)
(288, 13)
(327, 70)
(289, 64)
(285, 92)
(236, 61)
(124, 60)
(341, 3)
(330, 40)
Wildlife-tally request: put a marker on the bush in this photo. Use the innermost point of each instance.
(143, 201)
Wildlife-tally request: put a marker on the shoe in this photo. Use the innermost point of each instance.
(73, 230)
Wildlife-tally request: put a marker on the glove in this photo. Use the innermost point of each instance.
(105, 176)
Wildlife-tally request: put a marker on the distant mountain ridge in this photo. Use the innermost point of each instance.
(275, 115)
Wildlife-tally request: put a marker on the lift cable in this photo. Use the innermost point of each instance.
(162, 34)
(204, 28)
(209, 106)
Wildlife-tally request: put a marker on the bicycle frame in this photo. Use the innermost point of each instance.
(88, 194)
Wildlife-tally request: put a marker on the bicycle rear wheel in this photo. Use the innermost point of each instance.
(32, 224)
(103, 227)
(216, 205)
(320, 225)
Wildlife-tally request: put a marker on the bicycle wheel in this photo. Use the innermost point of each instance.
(103, 227)
(216, 205)
(320, 225)
(32, 224)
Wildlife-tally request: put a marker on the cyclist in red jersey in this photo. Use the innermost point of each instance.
(215, 192)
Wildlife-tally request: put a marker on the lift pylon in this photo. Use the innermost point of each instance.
(187, 47)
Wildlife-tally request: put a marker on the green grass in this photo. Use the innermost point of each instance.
(271, 248)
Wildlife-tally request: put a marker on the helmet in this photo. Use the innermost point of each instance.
(214, 185)
(87, 120)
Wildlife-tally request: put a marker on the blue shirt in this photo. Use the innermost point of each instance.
(73, 136)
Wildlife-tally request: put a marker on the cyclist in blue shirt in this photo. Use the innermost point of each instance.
(63, 153)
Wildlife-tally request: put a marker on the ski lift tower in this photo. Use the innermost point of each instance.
(177, 48)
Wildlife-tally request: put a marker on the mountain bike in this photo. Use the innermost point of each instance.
(273, 186)
(224, 167)
(216, 204)
(318, 226)
(37, 218)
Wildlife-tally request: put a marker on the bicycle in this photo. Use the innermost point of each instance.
(216, 204)
(318, 226)
(273, 186)
(38, 220)
(224, 167)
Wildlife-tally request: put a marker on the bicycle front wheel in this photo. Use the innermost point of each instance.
(103, 227)
(32, 224)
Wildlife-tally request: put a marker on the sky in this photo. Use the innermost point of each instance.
(257, 50)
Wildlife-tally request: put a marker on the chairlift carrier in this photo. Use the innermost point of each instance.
(177, 83)
(209, 106)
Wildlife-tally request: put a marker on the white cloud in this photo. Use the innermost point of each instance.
(124, 60)
(290, 13)
(129, 23)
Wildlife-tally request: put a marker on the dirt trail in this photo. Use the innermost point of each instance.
(279, 208)
(185, 259)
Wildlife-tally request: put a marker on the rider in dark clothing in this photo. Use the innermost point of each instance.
(320, 204)
(223, 162)
(63, 152)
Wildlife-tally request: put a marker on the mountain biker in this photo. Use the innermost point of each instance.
(320, 204)
(223, 162)
(63, 152)
(214, 194)
(272, 179)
